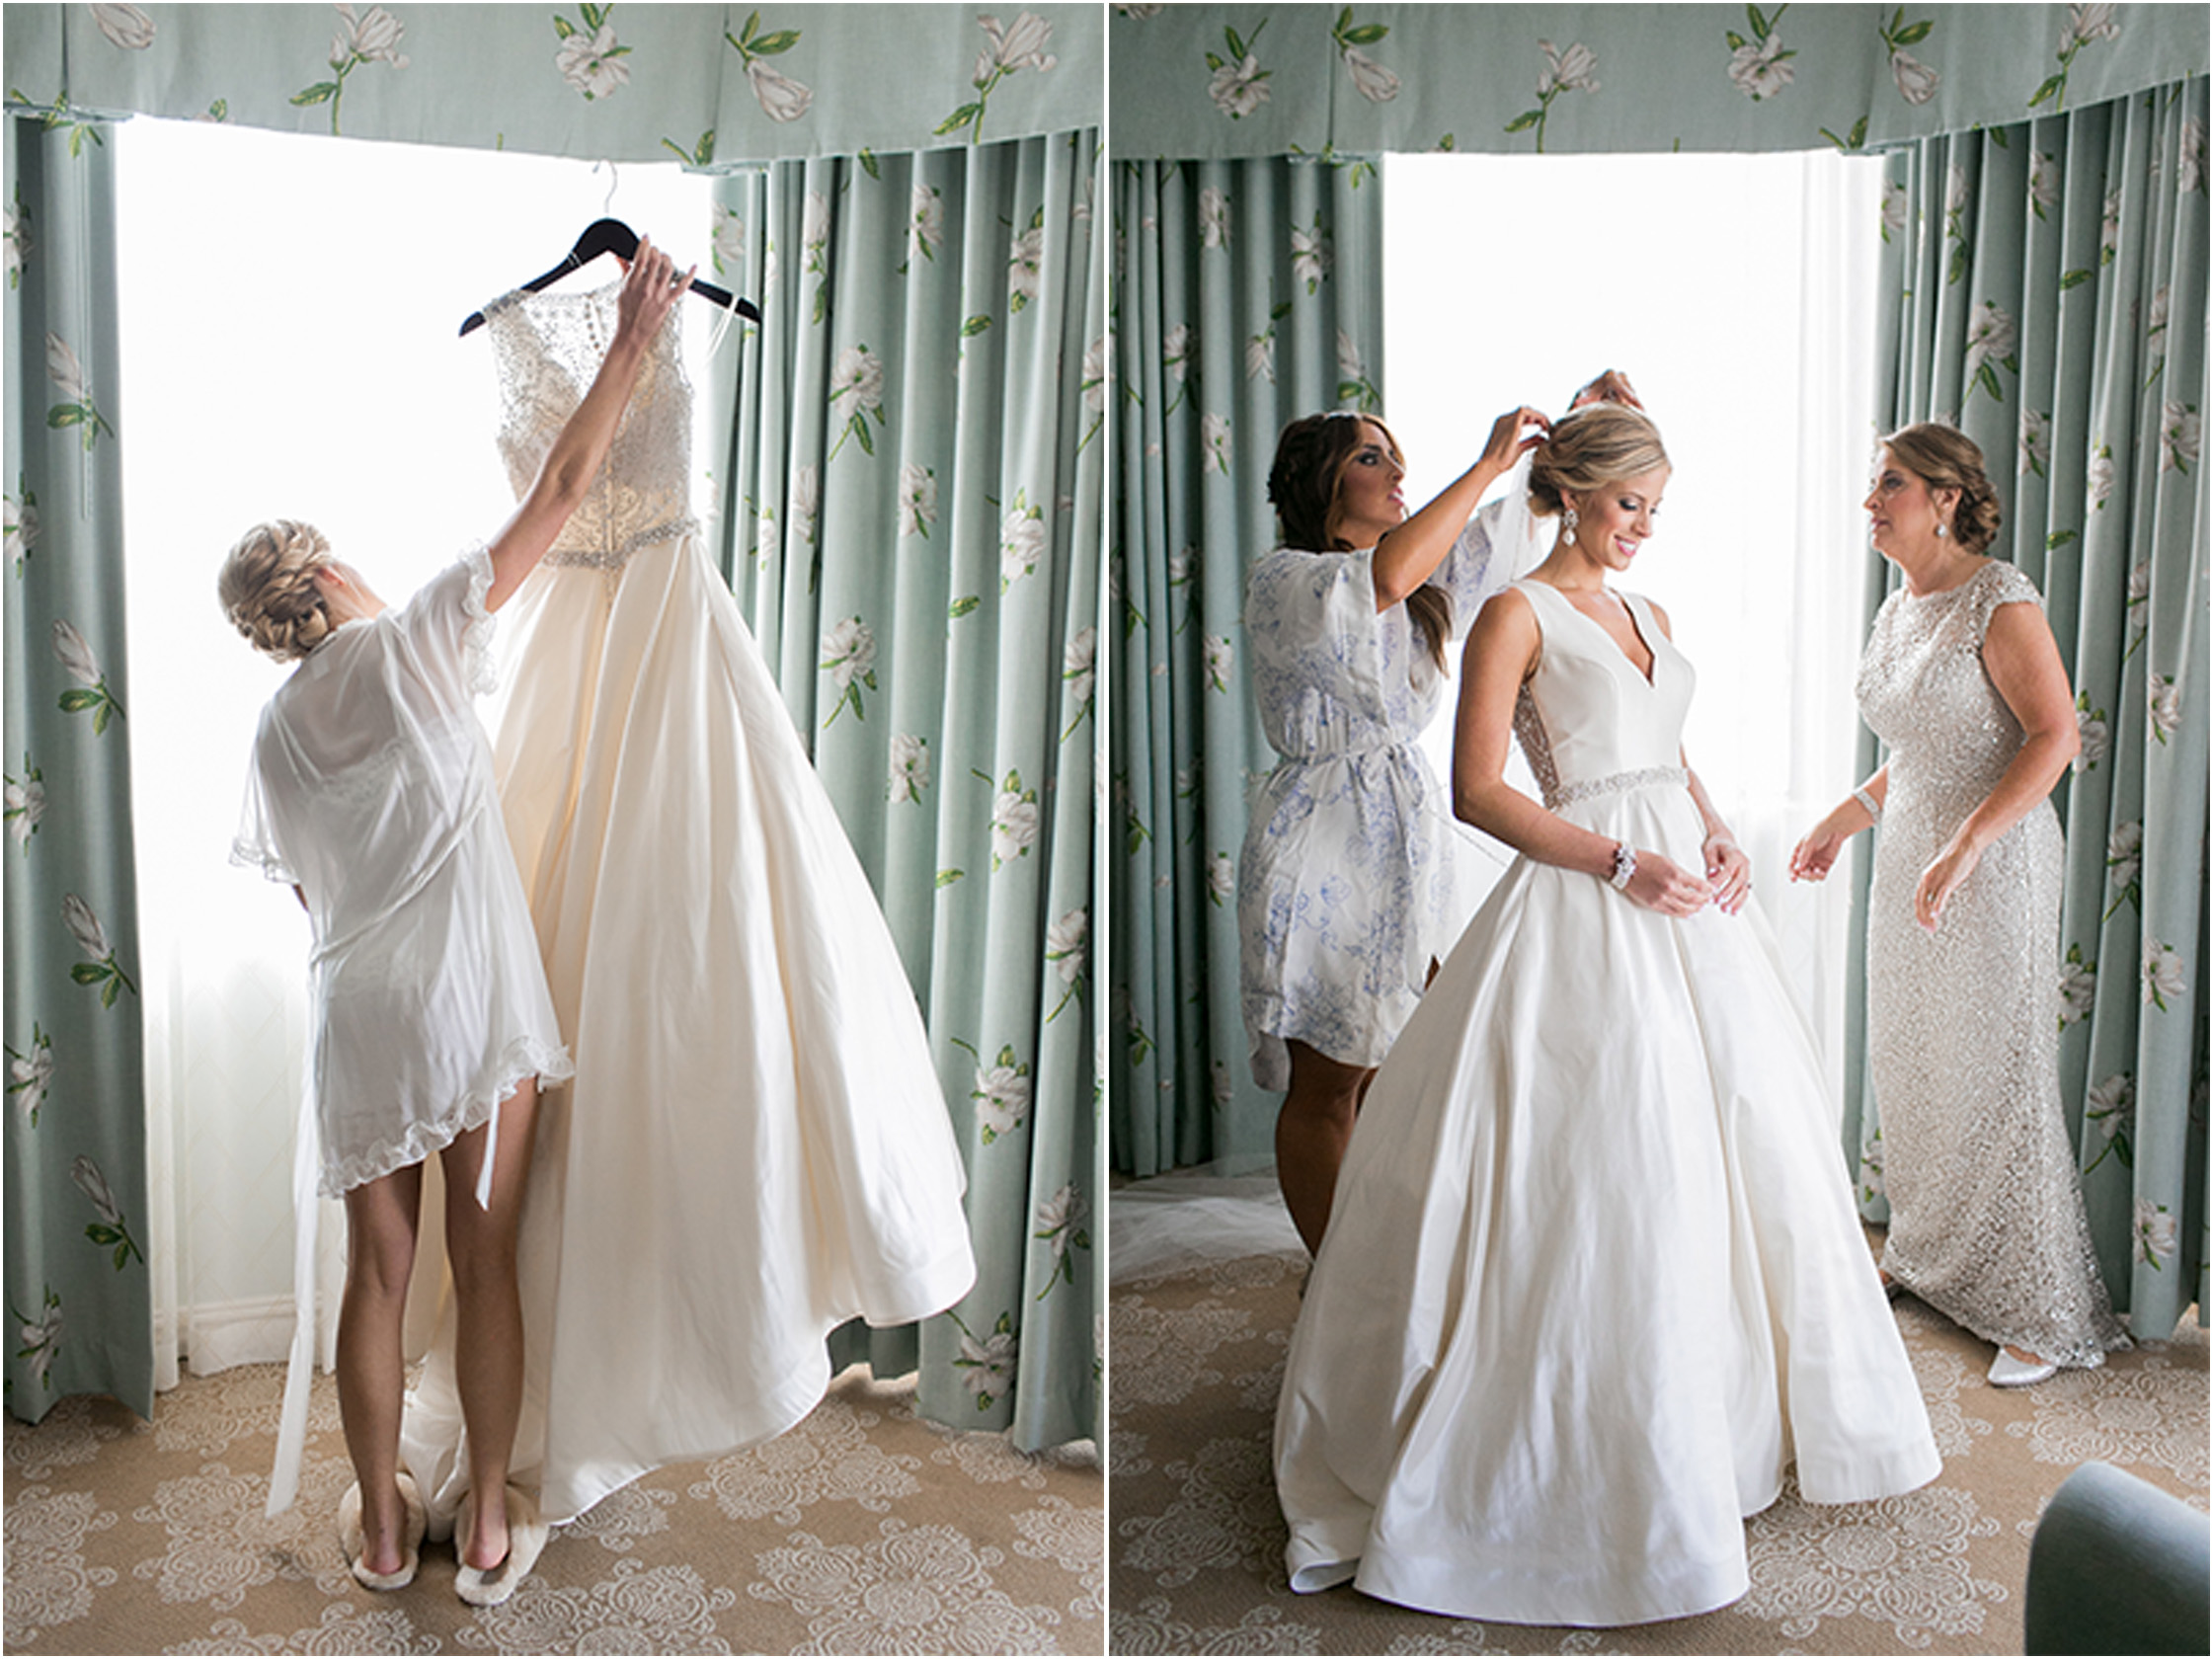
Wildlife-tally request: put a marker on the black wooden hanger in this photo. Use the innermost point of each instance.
(612, 236)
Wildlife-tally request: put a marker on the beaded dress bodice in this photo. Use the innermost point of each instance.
(548, 348)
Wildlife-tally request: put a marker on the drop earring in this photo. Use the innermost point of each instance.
(1572, 519)
(1942, 531)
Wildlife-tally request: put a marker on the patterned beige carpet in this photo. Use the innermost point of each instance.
(865, 1530)
(1197, 1547)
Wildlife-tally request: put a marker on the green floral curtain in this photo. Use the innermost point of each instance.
(2045, 283)
(1214, 82)
(911, 519)
(1247, 295)
(79, 1296)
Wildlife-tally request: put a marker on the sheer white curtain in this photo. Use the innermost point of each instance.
(1737, 293)
(291, 308)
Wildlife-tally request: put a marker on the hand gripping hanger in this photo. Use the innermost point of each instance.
(612, 236)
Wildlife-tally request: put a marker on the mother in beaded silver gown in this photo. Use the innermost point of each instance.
(755, 1149)
(1962, 682)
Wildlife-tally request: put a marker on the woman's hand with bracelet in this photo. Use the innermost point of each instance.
(1658, 883)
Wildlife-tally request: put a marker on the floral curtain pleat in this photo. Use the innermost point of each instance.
(2046, 292)
(78, 1290)
(1247, 295)
(911, 519)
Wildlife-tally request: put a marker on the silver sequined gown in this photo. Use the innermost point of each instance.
(1986, 1221)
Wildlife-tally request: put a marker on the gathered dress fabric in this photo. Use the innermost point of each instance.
(755, 1149)
(1346, 888)
(1986, 1223)
(1593, 1278)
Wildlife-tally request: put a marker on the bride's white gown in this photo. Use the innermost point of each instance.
(1593, 1276)
(755, 1149)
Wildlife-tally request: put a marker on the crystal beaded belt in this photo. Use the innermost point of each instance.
(1568, 794)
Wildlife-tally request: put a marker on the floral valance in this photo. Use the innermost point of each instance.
(1215, 82)
(715, 86)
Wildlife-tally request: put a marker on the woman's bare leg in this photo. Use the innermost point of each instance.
(488, 1350)
(1311, 1134)
(380, 1220)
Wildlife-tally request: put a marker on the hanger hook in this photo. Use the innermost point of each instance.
(613, 179)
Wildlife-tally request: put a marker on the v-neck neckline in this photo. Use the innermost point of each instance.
(1652, 680)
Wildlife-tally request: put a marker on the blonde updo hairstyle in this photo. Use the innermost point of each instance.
(1590, 447)
(268, 588)
(1945, 458)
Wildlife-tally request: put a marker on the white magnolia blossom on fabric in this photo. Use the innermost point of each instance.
(927, 218)
(74, 655)
(1212, 217)
(1756, 69)
(2123, 852)
(1001, 1098)
(1311, 256)
(31, 1075)
(1181, 564)
(94, 1186)
(1058, 1218)
(1019, 44)
(85, 927)
(26, 805)
(2097, 740)
(1990, 334)
(1078, 666)
(2181, 434)
(1098, 375)
(1894, 199)
(1220, 661)
(1349, 365)
(41, 1339)
(2165, 706)
(849, 650)
(64, 370)
(21, 527)
(1175, 350)
(858, 375)
(2077, 992)
(374, 37)
(2111, 1104)
(1024, 257)
(767, 542)
(771, 269)
(2035, 439)
(780, 97)
(729, 238)
(1238, 88)
(2162, 302)
(1068, 944)
(917, 499)
(1572, 70)
(1915, 81)
(1021, 543)
(1219, 442)
(1014, 828)
(2042, 181)
(127, 26)
(2163, 982)
(2103, 475)
(2192, 156)
(589, 63)
(1369, 79)
(2088, 23)
(1221, 878)
(991, 1363)
(2157, 1233)
(1956, 191)
(806, 500)
(15, 244)
(2138, 583)
(1259, 356)
(910, 767)
(2108, 232)
(814, 226)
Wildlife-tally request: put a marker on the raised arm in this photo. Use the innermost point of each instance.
(1408, 556)
(647, 294)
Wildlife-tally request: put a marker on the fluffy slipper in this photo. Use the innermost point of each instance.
(352, 1541)
(527, 1536)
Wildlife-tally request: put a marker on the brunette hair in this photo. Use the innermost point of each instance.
(268, 588)
(1302, 487)
(1598, 445)
(1945, 458)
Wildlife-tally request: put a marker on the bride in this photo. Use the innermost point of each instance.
(1593, 1276)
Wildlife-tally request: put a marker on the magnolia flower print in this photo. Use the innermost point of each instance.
(2109, 230)
(1221, 878)
(806, 501)
(1022, 541)
(41, 1337)
(590, 57)
(1355, 387)
(22, 520)
(90, 695)
(728, 241)
(910, 767)
(2042, 185)
(1990, 336)
(2035, 441)
(1240, 84)
(781, 99)
(2156, 1233)
(1894, 206)
(100, 966)
(27, 804)
(1068, 949)
(1012, 47)
(15, 244)
(1369, 79)
(31, 1075)
(1059, 1224)
(2102, 476)
(76, 407)
(108, 1229)
(1212, 217)
(1220, 662)
(918, 500)
(1259, 355)
(1218, 440)
(125, 26)
(2084, 24)
(1014, 822)
(1078, 673)
(1572, 70)
(1759, 67)
(1001, 1095)
(372, 37)
(2123, 865)
(2076, 987)
(2180, 434)
(848, 657)
(926, 222)
(2111, 1108)
(1312, 255)
(1915, 81)
(2095, 733)
(988, 1368)
(2191, 170)
(857, 377)
(2165, 706)
(1025, 258)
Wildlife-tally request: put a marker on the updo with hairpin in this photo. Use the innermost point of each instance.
(268, 588)
(1945, 458)
(1590, 447)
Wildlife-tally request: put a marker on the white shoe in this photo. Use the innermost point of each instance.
(2004, 1372)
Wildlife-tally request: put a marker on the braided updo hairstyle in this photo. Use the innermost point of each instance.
(1302, 486)
(268, 588)
(1945, 458)
(1598, 445)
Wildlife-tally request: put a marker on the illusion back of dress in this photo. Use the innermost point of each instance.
(549, 346)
